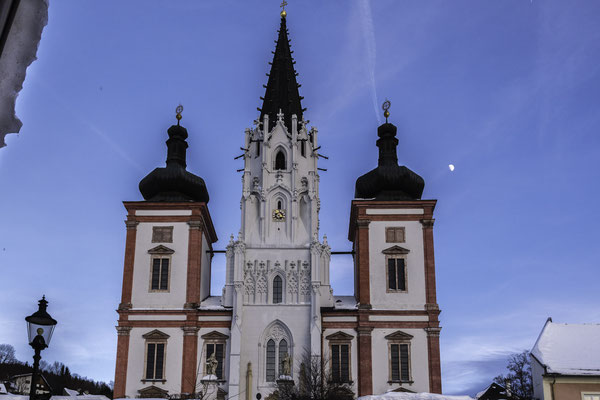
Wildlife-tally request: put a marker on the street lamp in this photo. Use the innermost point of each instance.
(40, 326)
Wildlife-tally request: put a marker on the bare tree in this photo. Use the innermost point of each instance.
(7, 353)
(315, 382)
(518, 381)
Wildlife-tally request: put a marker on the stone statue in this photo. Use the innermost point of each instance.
(286, 365)
(211, 365)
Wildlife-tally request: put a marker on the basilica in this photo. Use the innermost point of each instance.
(277, 308)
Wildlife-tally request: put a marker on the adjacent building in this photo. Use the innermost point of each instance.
(277, 307)
(565, 362)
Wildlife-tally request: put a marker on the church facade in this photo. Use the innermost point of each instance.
(277, 308)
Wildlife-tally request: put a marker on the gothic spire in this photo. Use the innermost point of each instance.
(282, 89)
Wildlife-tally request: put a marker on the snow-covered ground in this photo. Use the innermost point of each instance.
(413, 396)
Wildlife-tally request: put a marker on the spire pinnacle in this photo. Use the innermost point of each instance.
(385, 107)
(281, 94)
(178, 110)
(283, 13)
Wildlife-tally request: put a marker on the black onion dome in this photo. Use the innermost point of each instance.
(173, 182)
(389, 181)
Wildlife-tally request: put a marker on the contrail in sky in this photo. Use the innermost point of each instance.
(369, 30)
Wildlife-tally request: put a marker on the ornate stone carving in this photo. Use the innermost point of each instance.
(123, 330)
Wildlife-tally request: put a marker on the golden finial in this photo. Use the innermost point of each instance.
(282, 5)
(386, 106)
(178, 110)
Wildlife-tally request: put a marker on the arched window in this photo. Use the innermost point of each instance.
(271, 360)
(279, 205)
(303, 148)
(283, 351)
(277, 290)
(280, 160)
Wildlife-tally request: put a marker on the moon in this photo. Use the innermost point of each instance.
(451, 167)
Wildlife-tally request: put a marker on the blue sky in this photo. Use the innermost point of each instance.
(507, 91)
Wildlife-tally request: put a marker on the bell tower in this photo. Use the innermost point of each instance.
(277, 269)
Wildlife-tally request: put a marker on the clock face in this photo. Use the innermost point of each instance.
(278, 215)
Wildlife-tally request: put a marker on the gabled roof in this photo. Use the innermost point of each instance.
(569, 349)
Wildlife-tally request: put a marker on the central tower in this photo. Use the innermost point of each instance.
(277, 274)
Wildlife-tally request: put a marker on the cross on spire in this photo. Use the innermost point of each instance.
(279, 116)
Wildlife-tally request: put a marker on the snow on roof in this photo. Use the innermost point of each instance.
(81, 397)
(70, 392)
(10, 396)
(413, 396)
(344, 302)
(569, 349)
(3, 389)
(212, 303)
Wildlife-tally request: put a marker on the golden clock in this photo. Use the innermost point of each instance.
(278, 215)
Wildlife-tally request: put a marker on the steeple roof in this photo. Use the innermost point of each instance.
(282, 88)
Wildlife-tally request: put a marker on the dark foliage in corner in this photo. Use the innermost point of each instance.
(518, 381)
(57, 374)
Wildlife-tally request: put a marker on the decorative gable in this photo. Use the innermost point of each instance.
(396, 250)
(214, 335)
(156, 335)
(153, 392)
(340, 336)
(400, 336)
(161, 250)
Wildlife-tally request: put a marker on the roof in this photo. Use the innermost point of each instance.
(413, 396)
(281, 91)
(569, 349)
(345, 303)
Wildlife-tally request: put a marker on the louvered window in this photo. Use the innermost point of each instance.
(394, 235)
(271, 361)
(218, 349)
(160, 274)
(396, 274)
(277, 290)
(400, 362)
(155, 361)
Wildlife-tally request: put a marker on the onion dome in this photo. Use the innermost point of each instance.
(389, 181)
(174, 183)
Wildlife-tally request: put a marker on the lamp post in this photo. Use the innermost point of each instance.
(40, 326)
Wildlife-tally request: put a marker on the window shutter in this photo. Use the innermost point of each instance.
(160, 359)
(335, 362)
(392, 274)
(155, 273)
(150, 361)
(219, 355)
(345, 364)
(389, 235)
(395, 363)
(401, 274)
(164, 274)
(405, 376)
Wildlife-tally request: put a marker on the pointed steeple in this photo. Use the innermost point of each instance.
(282, 88)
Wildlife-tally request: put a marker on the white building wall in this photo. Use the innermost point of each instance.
(418, 361)
(414, 297)
(206, 260)
(141, 296)
(537, 370)
(137, 357)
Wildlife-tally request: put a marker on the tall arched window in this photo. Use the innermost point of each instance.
(279, 205)
(283, 351)
(271, 360)
(280, 160)
(277, 290)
